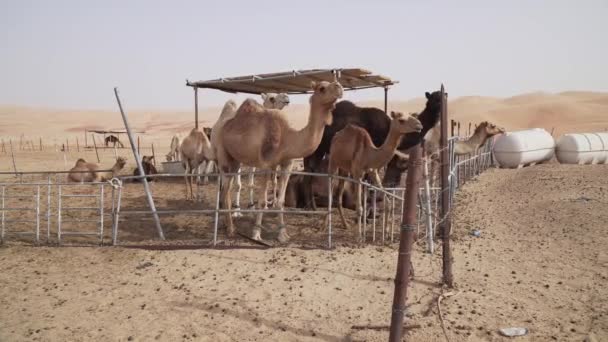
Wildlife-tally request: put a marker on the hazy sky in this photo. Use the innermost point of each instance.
(72, 53)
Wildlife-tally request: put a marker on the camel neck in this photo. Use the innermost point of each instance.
(470, 145)
(382, 155)
(305, 141)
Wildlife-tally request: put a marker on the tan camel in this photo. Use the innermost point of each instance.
(84, 172)
(262, 138)
(353, 152)
(194, 149)
(484, 131)
(271, 101)
(173, 154)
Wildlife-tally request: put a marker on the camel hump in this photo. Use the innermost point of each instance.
(272, 138)
(358, 135)
(249, 106)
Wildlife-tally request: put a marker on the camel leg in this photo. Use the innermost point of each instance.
(204, 165)
(262, 192)
(359, 205)
(187, 179)
(341, 187)
(251, 187)
(237, 195)
(280, 202)
(227, 203)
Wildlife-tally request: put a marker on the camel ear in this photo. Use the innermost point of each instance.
(428, 95)
(313, 85)
(393, 114)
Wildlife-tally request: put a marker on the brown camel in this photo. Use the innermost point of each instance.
(84, 172)
(149, 168)
(262, 138)
(353, 152)
(194, 149)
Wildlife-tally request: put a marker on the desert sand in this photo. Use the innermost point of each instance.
(539, 263)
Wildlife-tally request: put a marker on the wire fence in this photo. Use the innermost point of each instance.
(31, 208)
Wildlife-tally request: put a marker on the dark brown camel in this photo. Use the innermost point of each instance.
(376, 122)
(114, 140)
(148, 166)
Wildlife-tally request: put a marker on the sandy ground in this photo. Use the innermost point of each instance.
(540, 263)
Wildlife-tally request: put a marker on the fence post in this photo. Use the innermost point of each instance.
(77, 145)
(95, 145)
(404, 265)
(13, 157)
(144, 179)
(154, 156)
(445, 194)
(40, 143)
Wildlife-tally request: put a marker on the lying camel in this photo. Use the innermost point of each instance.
(148, 166)
(84, 172)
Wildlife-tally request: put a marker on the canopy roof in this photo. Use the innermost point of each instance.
(295, 82)
(101, 131)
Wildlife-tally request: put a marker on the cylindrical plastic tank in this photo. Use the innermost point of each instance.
(519, 148)
(583, 148)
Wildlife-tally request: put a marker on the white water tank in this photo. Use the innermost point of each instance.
(583, 148)
(519, 148)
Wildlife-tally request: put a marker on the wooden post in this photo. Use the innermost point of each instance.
(77, 145)
(408, 230)
(138, 152)
(40, 143)
(458, 128)
(95, 145)
(3, 146)
(469, 134)
(13, 157)
(67, 145)
(452, 126)
(85, 138)
(445, 193)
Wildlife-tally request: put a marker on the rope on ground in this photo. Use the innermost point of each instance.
(444, 295)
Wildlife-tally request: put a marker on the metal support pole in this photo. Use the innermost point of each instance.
(374, 217)
(95, 145)
(329, 204)
(386, 100)
(404, 265)
(116, 217)
(445, 195)
(217, 209)
(48, 210)
(38, 214)
(196, 107)
(144, 180)
(13, 157)
(101, 214)
(365, 213)
(2, 207)
(59, 214)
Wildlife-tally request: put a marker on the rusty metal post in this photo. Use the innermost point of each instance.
(458, 128)
(452, 125)
(196, 107)
(95, 146)
(445, 193)
(404, 262)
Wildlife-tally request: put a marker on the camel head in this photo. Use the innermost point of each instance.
(489, 129)
(147, 159)
(405, 124)
(275, 101)
(326, 94)
(433, 100)
(120, 163)
(169, 157)
(80, 162)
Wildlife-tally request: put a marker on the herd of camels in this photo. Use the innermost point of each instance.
(340, 138)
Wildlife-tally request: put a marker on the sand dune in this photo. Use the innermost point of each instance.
(572, 111)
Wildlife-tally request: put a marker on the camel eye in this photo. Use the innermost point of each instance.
(322, 89)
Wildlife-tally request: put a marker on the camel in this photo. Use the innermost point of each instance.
(262, 138)
(113, 139)
(483, 132)
(194, 149)
(173, 154)
(271, 101)
(376, 123)
(148, 166)
(84, 172)
(353, 152)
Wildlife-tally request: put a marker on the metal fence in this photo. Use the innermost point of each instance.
(81, 210)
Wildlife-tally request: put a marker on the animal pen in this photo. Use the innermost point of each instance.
(53, 210)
